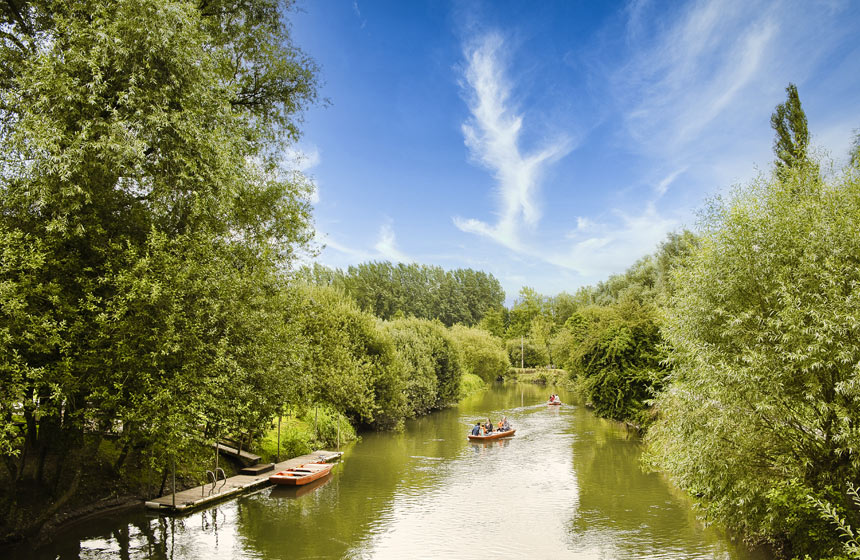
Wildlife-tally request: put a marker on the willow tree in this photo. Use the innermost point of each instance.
(143, 218)
(763, 410)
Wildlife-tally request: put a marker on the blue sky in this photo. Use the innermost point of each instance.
(554, 143)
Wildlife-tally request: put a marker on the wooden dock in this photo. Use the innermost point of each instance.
(193, 498)
(244, 455)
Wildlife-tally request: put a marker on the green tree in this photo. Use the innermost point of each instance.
(431, 362)
(481, 353)
(618, 358)
(764, 328)
(791, 144)
(351, 363)
(528, 306)
(143, 222)
(854, 153)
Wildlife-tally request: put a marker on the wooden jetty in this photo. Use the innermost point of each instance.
(193, 498)
(243, 455)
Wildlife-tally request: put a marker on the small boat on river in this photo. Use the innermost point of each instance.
(493, 435)
(302, 474)
(554, 403)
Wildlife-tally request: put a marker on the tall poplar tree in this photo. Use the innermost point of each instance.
(791, 143)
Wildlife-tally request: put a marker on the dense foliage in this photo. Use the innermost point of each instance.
(618, 358)
(389, 290)
(144, 220)
(765, 398)
(431, 363)
(481, 353)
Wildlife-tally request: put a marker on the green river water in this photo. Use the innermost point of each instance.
(567, 485)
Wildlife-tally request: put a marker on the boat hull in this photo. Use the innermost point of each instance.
(494, 435)
(301, 475)
(554, 403)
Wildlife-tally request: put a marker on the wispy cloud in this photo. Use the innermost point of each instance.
(357, 11)
(492, 135)
(664, 183)
(600, 249)
(385, 248)
(686, 75)
(386, 245)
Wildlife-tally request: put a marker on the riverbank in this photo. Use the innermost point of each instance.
(396, 492)
(541, 376)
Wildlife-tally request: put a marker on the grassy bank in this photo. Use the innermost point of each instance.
(310, 429)
(542, 376)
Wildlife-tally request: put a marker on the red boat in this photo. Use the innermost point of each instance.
(302, 474)
(492, 435)
(554, 403)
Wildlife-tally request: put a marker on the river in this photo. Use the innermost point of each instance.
(567, 485)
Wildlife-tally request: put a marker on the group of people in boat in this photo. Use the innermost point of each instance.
(483, 429)
(554, 398)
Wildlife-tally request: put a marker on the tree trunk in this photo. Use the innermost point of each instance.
(163, 481)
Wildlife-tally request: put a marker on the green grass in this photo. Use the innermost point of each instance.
(299, 437)
(542, 376)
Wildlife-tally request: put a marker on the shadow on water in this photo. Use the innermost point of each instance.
(567, 485)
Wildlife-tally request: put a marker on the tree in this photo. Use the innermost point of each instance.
(791, 143)
(351, 362)
(764, 327)
(144, 221)
(481, 353)
(854, 153)
(431, 361)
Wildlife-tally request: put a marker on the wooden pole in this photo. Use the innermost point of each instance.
(522, 359)
(174, 482)
(278, 454)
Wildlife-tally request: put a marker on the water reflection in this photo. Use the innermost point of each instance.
(567, 485)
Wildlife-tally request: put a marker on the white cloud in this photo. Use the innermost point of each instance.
(663, 185)
(303, 159)
(385, 248)
(357, 11)
(686, 75)
(601, 249)
(386, 245)
(492, 135)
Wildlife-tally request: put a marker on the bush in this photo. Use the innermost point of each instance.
(430, 363)
(351, 363)
(481, 353)
(533, 356)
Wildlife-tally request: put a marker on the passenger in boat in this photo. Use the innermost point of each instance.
(476, 429)
(489, 426)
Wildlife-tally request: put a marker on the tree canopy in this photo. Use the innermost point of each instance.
(144, 220)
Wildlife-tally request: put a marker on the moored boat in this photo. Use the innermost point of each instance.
(302, 474)
(493, 435)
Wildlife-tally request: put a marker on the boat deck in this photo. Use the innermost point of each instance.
(199, 496)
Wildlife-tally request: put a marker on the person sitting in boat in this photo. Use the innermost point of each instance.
(476, 429)
(489, 426)
(504, 426)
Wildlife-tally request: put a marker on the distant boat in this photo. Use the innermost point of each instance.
(556, 402)
(492, 435)
(302, 474)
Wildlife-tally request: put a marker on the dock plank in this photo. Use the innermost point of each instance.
(192, 498)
